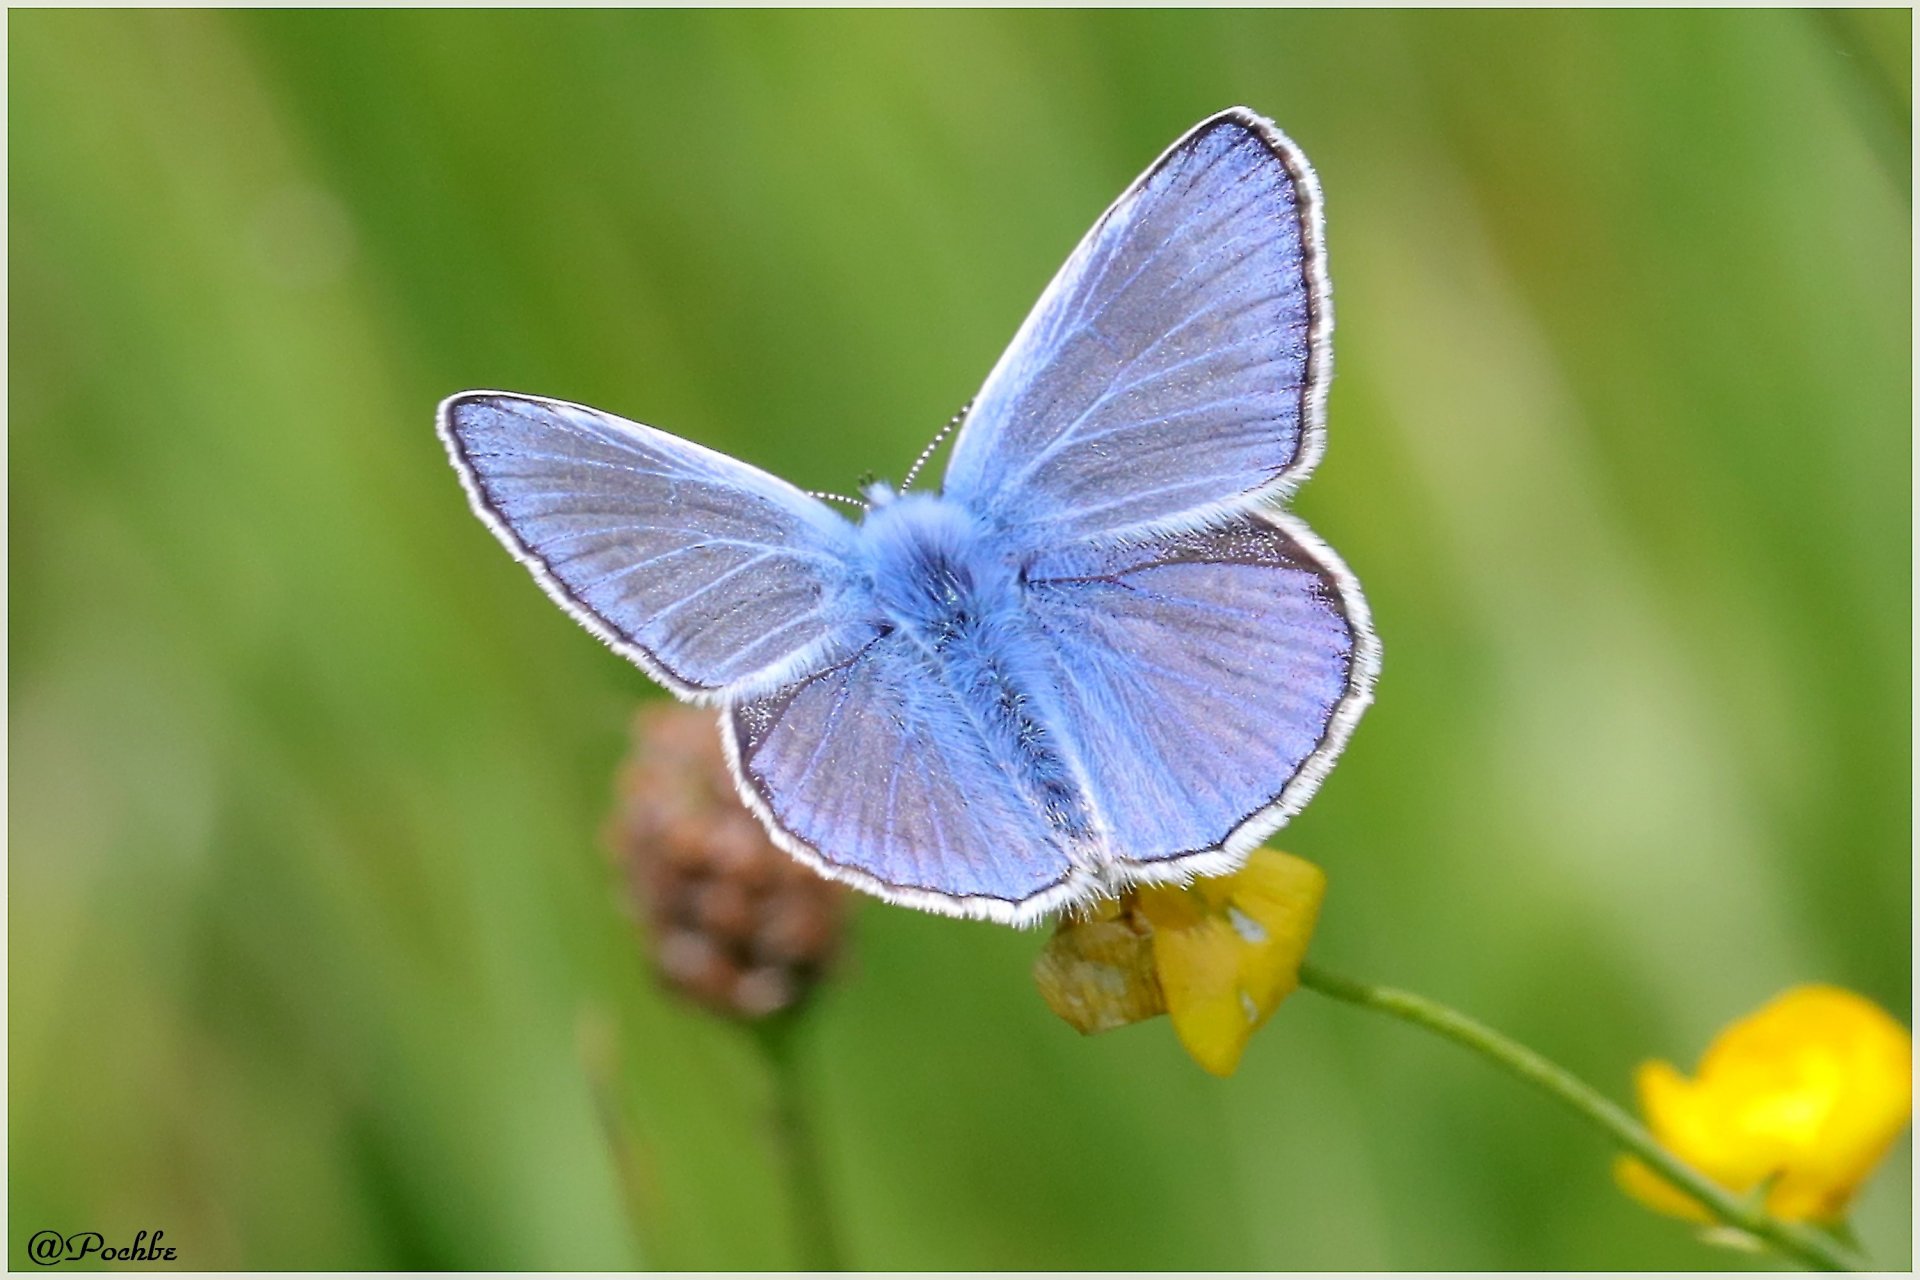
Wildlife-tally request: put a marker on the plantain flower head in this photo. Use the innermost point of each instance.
(1797, 1101)
(730, 921)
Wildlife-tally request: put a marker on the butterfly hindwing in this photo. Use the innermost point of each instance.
(1176, 366)
(877, 771)
(1212, 674)
(713, 575)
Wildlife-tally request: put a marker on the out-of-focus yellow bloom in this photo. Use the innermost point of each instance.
(1802, 1097)
(1218, 955)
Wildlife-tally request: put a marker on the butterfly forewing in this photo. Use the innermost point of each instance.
(1176, 365)
(712, 574)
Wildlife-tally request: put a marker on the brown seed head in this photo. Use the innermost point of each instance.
(733, 921)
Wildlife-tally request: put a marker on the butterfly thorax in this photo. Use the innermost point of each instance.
(932, 569)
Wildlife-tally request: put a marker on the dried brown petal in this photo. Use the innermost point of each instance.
(1098, 974)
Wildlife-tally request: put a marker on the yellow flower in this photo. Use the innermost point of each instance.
(1218, 955)
(1801, 1098)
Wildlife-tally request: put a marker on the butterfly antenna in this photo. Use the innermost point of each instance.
(838, 497)
(933, 444)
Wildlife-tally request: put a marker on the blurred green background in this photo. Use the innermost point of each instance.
(313, 948)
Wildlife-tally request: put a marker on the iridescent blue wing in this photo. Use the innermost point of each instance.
(874, 773)
(1176, 367)
(1209, 679)
(712, 575)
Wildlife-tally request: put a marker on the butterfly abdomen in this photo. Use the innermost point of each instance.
(988, 676)
(938, 578)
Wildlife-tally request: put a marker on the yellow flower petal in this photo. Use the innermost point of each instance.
(1199, 965)
(1228, 950)
(1804, 1096)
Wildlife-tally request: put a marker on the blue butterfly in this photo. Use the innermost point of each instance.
(1097, 656)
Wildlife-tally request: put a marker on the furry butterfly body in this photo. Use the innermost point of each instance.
(1099, 655)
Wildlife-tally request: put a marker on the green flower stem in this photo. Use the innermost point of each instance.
(794, 1146)
(1801, 1243)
